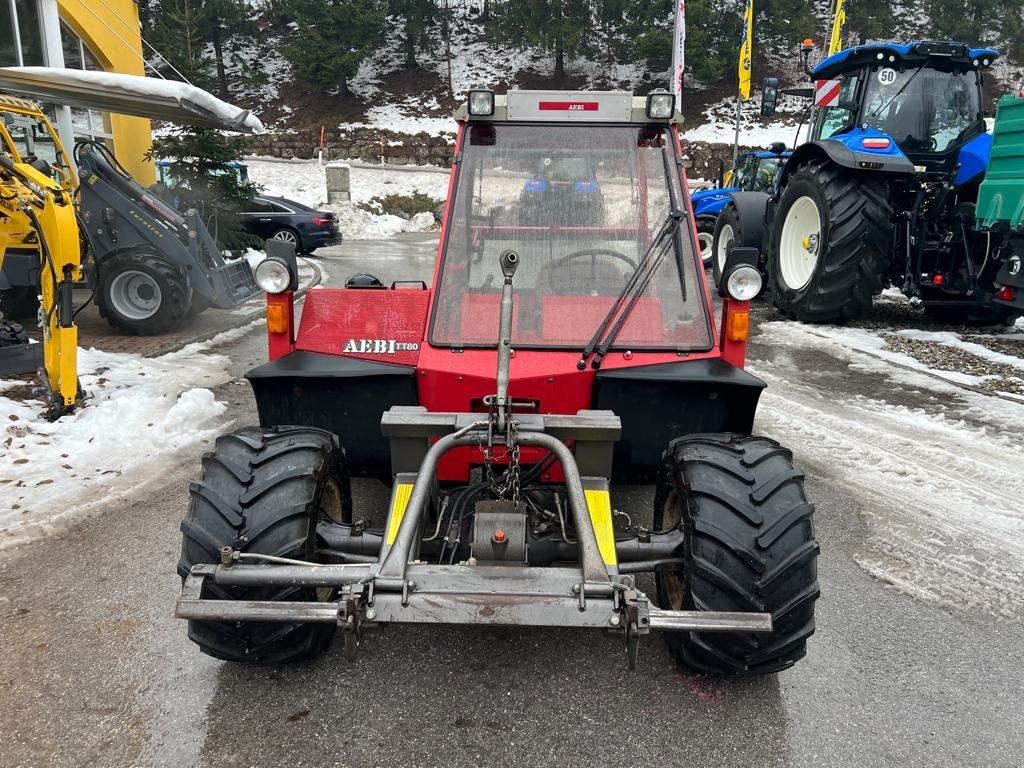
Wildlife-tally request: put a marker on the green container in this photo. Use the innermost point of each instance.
(1001, 197)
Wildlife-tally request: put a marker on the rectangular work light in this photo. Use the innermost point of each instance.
(661, 105)
(481, 103)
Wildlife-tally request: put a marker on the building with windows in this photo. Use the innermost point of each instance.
(83, 34)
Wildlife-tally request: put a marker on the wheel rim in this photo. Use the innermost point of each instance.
(672, 581)
(330, 502)
(705, 240)
(330, 509)
(135, 295)
(726, 237)
(800, 243)
(286, 235)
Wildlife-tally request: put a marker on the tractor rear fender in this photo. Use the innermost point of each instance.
(751, 208)
(842, 155)
(658, 403)
(339, 394)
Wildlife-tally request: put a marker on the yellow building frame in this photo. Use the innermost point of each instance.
(110, 30)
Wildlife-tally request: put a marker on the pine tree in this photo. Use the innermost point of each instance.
(417, 16)
(331, 38)
(561, 26)
(181, 30)
(869, 20)
(203, 168)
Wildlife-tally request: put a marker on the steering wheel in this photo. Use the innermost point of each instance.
(558, 274)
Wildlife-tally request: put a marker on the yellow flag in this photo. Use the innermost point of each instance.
(835, 43)
(746, 49)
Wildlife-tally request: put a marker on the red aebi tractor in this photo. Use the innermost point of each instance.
(563, 346)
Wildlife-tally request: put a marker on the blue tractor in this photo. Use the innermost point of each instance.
(754, 171)
(884, 192)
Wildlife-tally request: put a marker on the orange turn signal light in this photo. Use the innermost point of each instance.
(737, 326)
(277, 318)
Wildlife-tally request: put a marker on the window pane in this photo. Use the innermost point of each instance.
(31, 37)
(72, 48)
(8, 56)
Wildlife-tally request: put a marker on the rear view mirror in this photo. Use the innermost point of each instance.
(769, 96)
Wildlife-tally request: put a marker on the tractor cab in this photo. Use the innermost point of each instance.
(919, 101)
(578, 253)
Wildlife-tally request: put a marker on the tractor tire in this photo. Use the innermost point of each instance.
(749, 546)
(21, 303)
(264, 491)
(728, 234)
(141, 293)
(829, 243)
(12, 334)
(706, 239)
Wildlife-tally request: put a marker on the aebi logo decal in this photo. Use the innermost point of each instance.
(379, 346)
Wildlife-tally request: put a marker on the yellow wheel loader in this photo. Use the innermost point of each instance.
(39, 228)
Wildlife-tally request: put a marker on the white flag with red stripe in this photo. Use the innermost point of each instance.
(826, 92)
(679, 50)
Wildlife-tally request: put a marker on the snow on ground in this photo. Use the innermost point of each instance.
(305, 182)
(839, 340)
(939, 486)
(718, 126)
(142, 413)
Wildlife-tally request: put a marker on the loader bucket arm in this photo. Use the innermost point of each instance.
(122, 215)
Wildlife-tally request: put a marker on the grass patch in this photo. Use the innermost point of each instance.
(405, 206)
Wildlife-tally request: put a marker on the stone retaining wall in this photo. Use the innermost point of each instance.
(358, 144)
(402, 149)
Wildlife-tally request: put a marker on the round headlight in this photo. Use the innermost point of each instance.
(272, 276)
(744, 283)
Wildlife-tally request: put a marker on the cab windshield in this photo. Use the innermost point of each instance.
(924, 110)
(585, 208)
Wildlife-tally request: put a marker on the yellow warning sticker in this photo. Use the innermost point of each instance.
(600, 505)
(398, 504)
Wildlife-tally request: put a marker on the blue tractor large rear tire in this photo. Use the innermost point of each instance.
(829, 243)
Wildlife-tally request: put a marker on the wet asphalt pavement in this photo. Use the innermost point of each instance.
(94, 671)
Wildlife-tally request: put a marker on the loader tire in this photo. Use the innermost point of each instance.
(829, 243)
(749, 546)
(141, 293)
(12, 334)
(21, 303)
(264, 491)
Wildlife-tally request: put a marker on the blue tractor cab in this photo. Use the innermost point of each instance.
(884, 191)
(754, 171)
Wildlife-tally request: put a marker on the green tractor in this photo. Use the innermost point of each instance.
(885, 191)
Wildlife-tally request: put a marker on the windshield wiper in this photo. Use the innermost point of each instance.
(641, 269)
(667, 246)
(877, 112)
(638, 281)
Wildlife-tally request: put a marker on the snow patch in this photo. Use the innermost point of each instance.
(305, 182)
(184, 94)
(140, 415)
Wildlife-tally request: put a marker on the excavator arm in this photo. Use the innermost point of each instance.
(29, 198)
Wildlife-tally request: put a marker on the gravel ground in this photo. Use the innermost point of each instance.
(998, 377)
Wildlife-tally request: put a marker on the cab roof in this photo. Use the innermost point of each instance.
(568, 107)
(904, 55)
(13, 102)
